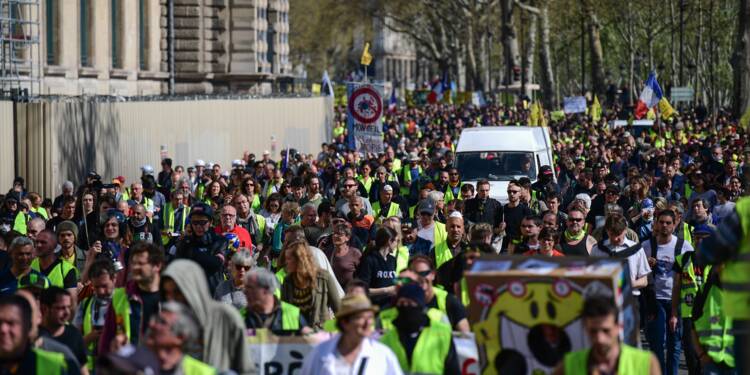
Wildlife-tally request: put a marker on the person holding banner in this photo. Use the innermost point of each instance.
(353, 351)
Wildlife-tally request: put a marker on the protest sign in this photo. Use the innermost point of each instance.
(525, 311)
(365, 108)
(574, 104)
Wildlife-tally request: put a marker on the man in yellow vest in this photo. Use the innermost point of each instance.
(712, 329)
(92, 311)
(607, 355)
(435, 297)
(422, 345)
(171, 335)
(264, 309)
(385, 207)
(689, 279)
(431, 234)
(133, 305)
(59, 272)
(730, 246)
(17, 354)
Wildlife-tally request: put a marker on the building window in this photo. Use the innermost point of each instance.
(51, 23)
(84, 25)
(142, 34)
(115, 23)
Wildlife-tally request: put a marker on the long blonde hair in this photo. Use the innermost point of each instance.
(307, 270)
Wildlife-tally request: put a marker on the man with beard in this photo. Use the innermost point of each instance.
(133, 306)
(140, 226)
(607, 354)
(92, 311)
(17, 354)
(67, 233)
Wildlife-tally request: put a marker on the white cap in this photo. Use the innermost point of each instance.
(225, 174)
(200, 163)
(266, 152)
(147, 169)
(236, 163)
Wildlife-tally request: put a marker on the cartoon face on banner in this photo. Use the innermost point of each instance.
(528, 325)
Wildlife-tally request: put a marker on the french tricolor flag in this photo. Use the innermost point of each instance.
(650, 96)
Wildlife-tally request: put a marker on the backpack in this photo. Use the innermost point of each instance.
(619, 254)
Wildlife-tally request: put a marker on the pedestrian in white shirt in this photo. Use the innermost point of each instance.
(617, 246)
(662, 250)
(353, 351)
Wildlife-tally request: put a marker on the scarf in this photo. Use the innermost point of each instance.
(569, 237)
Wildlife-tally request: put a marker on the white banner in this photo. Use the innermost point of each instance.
(284, 355)
(574, 104)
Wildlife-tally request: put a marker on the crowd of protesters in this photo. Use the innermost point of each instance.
(174, 269)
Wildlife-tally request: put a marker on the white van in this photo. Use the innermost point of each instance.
(501, 154)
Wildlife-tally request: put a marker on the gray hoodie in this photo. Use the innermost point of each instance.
(224, 345)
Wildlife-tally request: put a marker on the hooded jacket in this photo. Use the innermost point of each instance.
(224, 345)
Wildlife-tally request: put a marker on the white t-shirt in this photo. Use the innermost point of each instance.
(638, 262)
(663, 275)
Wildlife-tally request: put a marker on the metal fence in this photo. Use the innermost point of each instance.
(58, 139)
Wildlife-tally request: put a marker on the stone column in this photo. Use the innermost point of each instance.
(153, 39)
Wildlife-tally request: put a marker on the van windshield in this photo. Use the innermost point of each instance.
(496, 165)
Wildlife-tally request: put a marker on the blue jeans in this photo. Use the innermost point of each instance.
(658, 333)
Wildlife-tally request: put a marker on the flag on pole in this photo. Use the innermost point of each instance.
(327, 86)
(542, 118)
(650, 96)
(666, 109)
(366, 56)
(745, 119)
(534, 115)
(392, 102)
(596, 110)
(437, 92)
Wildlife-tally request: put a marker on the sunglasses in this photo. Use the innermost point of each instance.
(200, 222)
(404, 281)
(240, 267)
(575, 220)
(424, 273)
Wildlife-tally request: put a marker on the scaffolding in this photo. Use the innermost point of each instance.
(20, 49)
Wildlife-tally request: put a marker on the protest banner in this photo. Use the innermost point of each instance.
(277, 355)
(365, 108)
(525, 311)
(574, 104)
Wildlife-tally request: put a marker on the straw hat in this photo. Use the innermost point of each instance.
(352, 304)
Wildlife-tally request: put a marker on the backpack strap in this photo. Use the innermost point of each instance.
(600, 245)
(678, 247)
(654, 246)
(628, 252)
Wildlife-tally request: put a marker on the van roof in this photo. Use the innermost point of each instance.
(502, 138)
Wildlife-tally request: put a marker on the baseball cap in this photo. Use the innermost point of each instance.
(545, 169)
(200, 163)
(426, 206)
(201, 209)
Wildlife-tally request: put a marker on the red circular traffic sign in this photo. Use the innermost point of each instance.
(365, 105)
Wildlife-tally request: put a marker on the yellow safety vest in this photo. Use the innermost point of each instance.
(735, 277)
(192, 366)
(429, 354)
(632, 361)
(58, 273)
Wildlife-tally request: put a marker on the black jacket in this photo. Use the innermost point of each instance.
(204, 250)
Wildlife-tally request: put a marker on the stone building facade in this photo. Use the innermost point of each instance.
(121, 47)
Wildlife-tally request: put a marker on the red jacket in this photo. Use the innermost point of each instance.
(241, 233)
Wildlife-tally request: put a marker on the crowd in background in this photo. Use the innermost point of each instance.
(183, 261)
